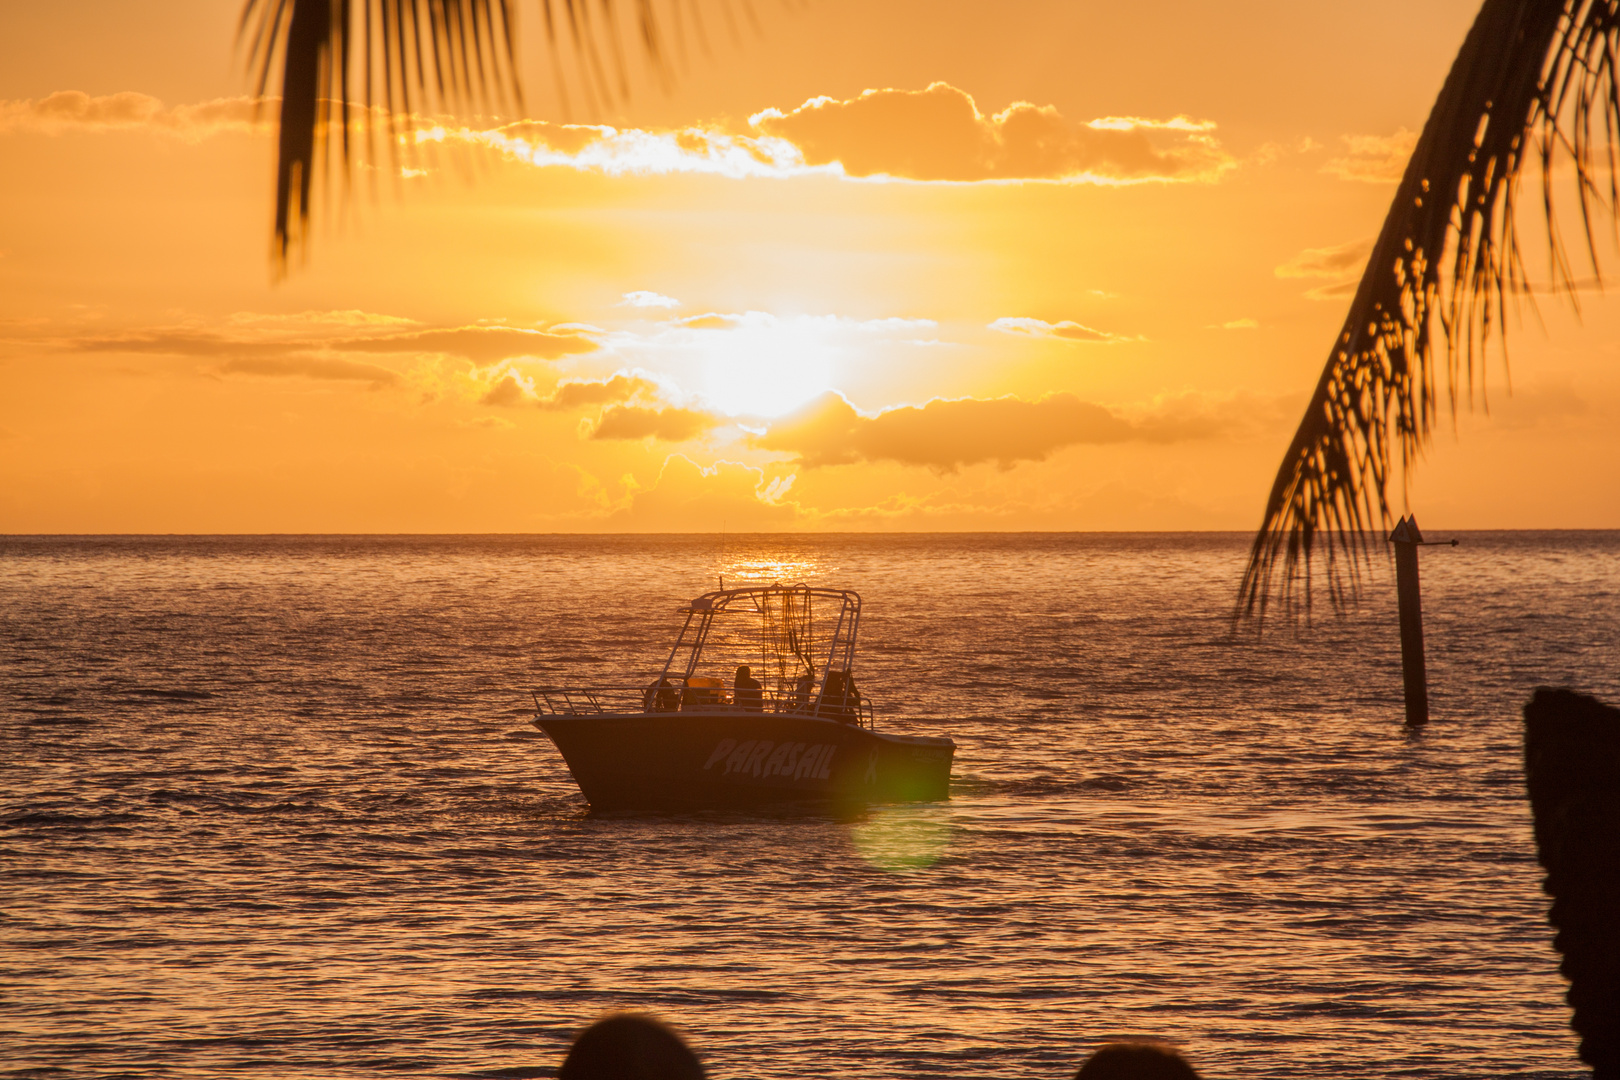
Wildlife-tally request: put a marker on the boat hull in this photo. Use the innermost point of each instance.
(733, 758)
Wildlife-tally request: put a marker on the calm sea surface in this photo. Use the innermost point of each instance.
(273, 807)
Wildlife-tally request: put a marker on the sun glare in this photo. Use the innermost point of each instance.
(766, 370)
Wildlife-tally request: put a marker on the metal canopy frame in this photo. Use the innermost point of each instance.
(702, 611)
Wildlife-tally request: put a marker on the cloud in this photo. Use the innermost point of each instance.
(311, 368)
(187, 341)
(507, 391)
(1241, 324)
(617, 152)
(1337, 291)
(510, 389)
(826, 329)
(945, 435)
(727, 494)
(711, 321)
(1065, 330)
(673, 424)
(1373, 159)
(352, 317)
(934, 134)
(1342, 264)
(1328, 262)
(239, 355)
(939, 134)
(584, 392)
(74, 110)
(480, 344)
(644, 298)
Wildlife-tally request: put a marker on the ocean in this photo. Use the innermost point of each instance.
(273, 806)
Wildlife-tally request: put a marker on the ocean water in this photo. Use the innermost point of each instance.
(273, 807)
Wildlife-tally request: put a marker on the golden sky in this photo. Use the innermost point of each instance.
(861, 265)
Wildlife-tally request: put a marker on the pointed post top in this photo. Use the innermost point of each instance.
(1406, 531)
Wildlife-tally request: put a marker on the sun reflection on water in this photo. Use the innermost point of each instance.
(754, 568)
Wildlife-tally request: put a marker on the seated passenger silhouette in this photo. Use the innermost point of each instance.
(629, 1046)
(802, 691)
(1136, 1061)
(661, 696)
(835, 697)
(702, 692)
(746, 691)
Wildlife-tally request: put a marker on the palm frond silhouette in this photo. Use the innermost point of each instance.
(348, 64)
(1535, 79)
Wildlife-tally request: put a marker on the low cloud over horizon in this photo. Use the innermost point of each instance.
(1373, 159)
(943, 435)
(939, 134)
(309, 345)
(1340, 265)
(74, 110)
(1065, 330)
(946, 434)
(936, 134)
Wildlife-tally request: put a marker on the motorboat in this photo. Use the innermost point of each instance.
(756, 703)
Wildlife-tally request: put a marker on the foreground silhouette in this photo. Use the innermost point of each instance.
(347, 64)
(1572, 770)
(630, 1046)
(1136, 1061)
(639, 1046)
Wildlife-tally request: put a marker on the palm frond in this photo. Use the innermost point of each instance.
(1534, 79)
(348, 64)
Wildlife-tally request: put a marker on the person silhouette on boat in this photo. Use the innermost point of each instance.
(746, 692)
(839, 698)
(661, 696)
(802, 691)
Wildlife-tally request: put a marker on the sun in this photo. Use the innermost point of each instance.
(766, 369)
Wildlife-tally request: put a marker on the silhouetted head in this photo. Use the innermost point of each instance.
(1136, 1061)
(743, 672)
(630, 1046)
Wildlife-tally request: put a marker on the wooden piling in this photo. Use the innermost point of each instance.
(1414, 673)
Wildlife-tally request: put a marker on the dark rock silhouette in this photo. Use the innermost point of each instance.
(1572, 770)
(1136, 1061)
(630, 1046)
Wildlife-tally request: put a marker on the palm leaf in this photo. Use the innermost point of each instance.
(1534, 78)
(348, 64)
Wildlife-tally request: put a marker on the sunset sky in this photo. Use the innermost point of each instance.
(861, 265)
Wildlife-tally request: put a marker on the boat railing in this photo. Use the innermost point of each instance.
(675, 698)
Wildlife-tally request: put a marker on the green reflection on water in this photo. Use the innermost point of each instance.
(903, 839)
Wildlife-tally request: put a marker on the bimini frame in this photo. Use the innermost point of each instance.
(787, 603)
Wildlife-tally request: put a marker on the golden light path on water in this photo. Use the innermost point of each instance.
(779, 570)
